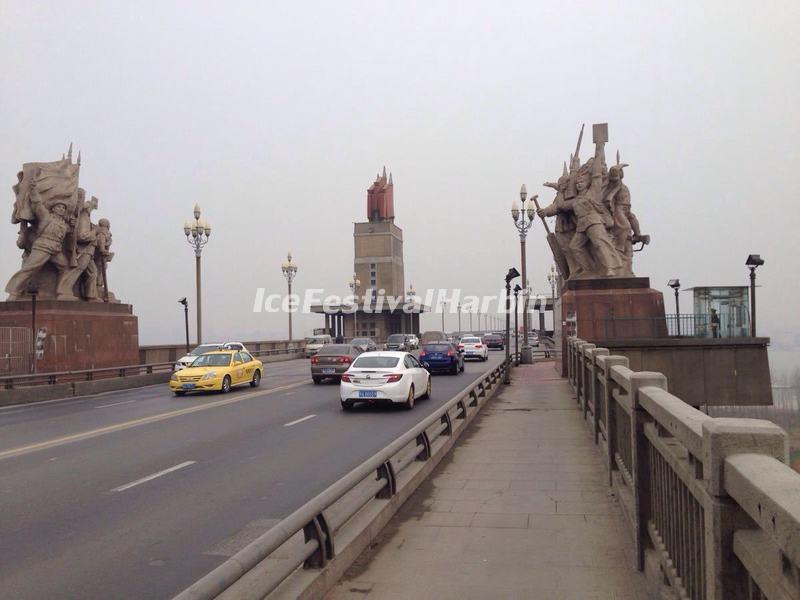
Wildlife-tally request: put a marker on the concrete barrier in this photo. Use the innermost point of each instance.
(39, 393)
(97, 386)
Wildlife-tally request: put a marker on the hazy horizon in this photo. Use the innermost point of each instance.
(275, 118)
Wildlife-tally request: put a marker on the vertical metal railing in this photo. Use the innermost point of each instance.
(16, 350)
(676, 524)
(711, 497)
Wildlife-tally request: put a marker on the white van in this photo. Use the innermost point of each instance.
(314, 343)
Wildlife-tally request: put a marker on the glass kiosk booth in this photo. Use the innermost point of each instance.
(730, 304)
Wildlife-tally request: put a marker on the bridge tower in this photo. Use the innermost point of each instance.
(378, 242)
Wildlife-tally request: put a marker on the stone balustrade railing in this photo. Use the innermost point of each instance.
(712, 505)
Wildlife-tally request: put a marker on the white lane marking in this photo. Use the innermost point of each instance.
(127, 486)
(290, 423)
(290, 393)
(115, 404)
(4, 454)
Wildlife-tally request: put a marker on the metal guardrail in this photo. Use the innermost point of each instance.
(711, 498)
(35, 379)
(321, 518)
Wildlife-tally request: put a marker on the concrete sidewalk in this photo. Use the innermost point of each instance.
(520, 509)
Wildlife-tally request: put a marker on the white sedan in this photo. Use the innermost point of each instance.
(386, 378)
(474, 347)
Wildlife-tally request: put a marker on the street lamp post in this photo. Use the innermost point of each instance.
(185, 303)
(459, 317)
(523, 225)
(470, 319)
(512, 273)
(197, 234)
(517, 289)
(675, 284)
(354, 286)
(33, 291)
(443, 302)
(289, 270)
(753, 261)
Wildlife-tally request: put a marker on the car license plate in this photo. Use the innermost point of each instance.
(436, 356)
(367, 394)
(188, 386)
(328, 371)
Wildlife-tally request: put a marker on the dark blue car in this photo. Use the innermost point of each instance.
(442, 357)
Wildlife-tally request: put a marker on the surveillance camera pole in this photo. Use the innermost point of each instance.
(752, 301)
(507, 372)
(186, 323)
(33, 291)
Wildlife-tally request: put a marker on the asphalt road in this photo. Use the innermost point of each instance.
(137, 494)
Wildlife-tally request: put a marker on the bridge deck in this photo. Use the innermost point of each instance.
(519, 510)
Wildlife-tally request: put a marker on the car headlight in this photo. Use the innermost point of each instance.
(208, 376)
(174, 377)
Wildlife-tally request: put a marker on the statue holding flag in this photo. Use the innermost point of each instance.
(56, 235)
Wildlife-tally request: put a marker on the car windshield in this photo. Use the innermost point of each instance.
(335, 349)
(361, 341)
(315, 340)
(396, 338)
(437, 347)
(471, 340)
(212, 360)
(376, 362)
(203, 349)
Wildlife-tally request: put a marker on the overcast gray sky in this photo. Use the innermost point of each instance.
(275, 117)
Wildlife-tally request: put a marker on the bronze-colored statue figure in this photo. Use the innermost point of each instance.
(85, 242)
(48, 245)
(626, 231)
(103, 256)
(592, 220)
(561, 209)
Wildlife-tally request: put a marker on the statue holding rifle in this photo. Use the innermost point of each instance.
(595, 227)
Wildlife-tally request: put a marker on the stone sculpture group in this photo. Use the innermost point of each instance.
(63, 252)
(595, 230)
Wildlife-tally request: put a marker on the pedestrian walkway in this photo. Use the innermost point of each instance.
(520, 509)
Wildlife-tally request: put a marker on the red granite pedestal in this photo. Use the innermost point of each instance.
(80, 335)
(602, 309)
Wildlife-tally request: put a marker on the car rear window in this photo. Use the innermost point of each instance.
(335, 349)
(212, 360)
(376, 362)
(471, 340)
(396, 338)
(437, 347)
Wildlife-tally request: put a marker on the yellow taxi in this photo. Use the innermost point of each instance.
(217, 371)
